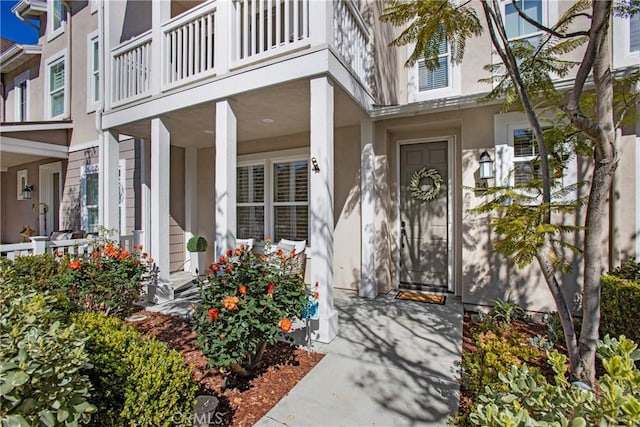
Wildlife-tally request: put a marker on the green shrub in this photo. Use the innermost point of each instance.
(496, 353)
(505, 311)
(526, 398)
(249, 303)
(197, 244)
(41, 360)
(138, 380)
(620, 308)
(39, 271)
(630, 269)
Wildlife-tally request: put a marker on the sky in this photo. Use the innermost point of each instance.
(12, 28)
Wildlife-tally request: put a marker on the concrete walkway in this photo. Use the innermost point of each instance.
(392, 364)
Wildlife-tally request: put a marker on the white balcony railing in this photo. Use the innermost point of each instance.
(131, 69)
(267, 27)
(189, 45)
(245, 31)
(351, 38)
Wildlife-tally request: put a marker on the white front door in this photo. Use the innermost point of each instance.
(424, 244)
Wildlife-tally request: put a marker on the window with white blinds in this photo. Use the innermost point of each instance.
(56, 91)
(291, 200)
(93, 69)
(438, 78)
(273, 199)
(89, 197)
(634, 33)
(250, 202)
(525, 152)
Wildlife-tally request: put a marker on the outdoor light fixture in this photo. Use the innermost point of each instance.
(486, 166)
(26, 192)
(314, 164)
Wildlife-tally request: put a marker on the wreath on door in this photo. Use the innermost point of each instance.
(418, 190)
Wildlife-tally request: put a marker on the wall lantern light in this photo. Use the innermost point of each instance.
(314, 164)
(26, 192)
(486, 166)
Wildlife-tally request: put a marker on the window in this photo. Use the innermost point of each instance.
(93, 71)
(21, 94)
(525, 153)
(634, 33)
(515, 26)
(22, 181)
(56, 101)
(273, 198)
(438, 78)
(56, 16)
(626, 41)
(89, 197)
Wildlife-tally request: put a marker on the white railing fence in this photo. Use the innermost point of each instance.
(41, 245)
(264, 26)
(189, 45)
(351, 38)
(131, 69)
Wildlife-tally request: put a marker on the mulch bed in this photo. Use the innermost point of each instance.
(243, 401)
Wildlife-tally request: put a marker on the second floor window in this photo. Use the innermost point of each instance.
(634, 33)
(93, 65)
(56, 16)
(22, 96)
(438, 78)
(515, 26)
(56, 92)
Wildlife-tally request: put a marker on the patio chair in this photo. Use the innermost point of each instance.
(248, 244)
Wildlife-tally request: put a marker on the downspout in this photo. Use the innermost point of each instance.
(69, 66)
(100, 109)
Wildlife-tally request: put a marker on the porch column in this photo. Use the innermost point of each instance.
(111, 184)
(160, 13)
(145, 194)
(368, 287)
(190, 198)
(160, 147)
(225, 175)
(321, 205)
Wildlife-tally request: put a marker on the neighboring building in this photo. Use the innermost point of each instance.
(292, 119)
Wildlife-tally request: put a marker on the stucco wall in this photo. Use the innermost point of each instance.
(176, 209)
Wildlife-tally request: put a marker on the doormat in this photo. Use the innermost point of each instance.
(419, 297)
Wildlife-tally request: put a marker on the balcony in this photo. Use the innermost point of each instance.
(215, 38)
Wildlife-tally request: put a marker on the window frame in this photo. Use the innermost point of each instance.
(544, 17)
(454, 80)
(93, 70)
(84, 171)
(22, 180)
(60, 57)
(269, 160)
(621, 40)
(22, 78)
(249, 163)
(53, 33)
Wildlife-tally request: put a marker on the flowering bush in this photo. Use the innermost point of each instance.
(247, 302)
(106, 280)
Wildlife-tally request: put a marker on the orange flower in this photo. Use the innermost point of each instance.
(123, 255)
(214, 267)
(230, 302)
(285, 324)
(229, 252)
(263, 257)
(270, 288)
(213, 314)
(238, 252)
(279, 252)
(75, 265)
(316, 295)
(242, 247)
(242, 289)
(292, 254)
(283, 259)
(95, 255)
(222, 259)
(150, 260)
(229, 268)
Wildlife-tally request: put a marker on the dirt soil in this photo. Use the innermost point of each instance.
(243, 401)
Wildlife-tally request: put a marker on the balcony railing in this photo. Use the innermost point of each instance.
(131, 69)
(250, 31)
(41, 245)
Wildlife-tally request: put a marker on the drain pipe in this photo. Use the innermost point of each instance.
(69, 65)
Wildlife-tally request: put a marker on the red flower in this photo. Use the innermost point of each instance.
(285, 324)
(144, 254)
(222, 259)
(229, 252)
(316, 295)
(229, 268)
(268, 238)
(95, 255)
(242, 247)
(279, 252)
(263, 257)
(317, 284)
(242, 289)
(59, 254)
(270, 289)
(75, 265)
(213, 314)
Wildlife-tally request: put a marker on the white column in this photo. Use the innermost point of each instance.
(160, 151)
(190, 198)
(223, 46)
(368, 286)
(160, 13)
(111, 184)
(321, 25)
(145, 195)
(226, 158)
(321, 205)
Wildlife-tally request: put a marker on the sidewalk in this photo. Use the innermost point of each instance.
(392, 364)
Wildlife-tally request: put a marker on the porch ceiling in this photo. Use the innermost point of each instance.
(287, 105)
(9, 160)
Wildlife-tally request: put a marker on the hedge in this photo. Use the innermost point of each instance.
(620, 308)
